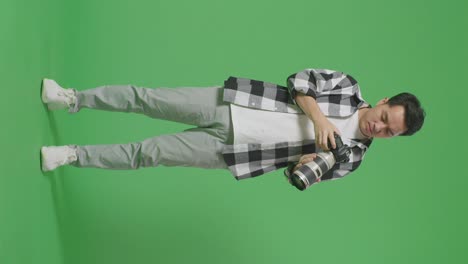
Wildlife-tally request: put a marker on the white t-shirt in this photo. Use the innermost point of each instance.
(263, 126)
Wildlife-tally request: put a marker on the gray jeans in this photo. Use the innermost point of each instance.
(199, 147)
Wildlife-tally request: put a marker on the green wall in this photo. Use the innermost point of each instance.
(405, 204)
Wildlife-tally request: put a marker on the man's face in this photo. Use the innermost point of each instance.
(383, 121)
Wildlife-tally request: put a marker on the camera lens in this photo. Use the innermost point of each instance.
(297, 182)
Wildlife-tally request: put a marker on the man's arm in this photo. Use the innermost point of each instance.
(324, 129)
(305, 86)
(310, 107)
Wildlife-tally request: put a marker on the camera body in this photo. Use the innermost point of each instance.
(312, 171)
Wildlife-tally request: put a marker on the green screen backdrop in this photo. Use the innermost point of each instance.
(405, 204)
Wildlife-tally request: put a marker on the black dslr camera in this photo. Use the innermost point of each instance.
(312, 171)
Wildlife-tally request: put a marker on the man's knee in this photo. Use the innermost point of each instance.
(147, 154)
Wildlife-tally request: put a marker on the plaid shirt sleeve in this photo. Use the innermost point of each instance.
(320, 83)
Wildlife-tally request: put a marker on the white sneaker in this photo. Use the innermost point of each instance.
(55, 156)
(55, 96)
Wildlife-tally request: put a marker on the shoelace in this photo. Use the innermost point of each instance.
(69, 95)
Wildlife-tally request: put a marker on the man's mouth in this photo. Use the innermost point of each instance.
(369, 129)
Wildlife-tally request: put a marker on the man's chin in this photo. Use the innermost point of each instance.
(368, 136)
(364, 133)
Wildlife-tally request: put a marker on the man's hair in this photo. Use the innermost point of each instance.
(414, 114)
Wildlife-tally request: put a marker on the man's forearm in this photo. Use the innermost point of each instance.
(309, 106)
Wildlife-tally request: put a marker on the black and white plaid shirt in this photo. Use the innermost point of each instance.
(336, 93)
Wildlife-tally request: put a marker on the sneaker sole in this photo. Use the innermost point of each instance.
(43, 93)
(43, 168)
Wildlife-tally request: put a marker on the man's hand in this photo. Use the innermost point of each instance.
(305, 159)
(324, 130)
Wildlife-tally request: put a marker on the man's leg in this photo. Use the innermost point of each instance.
(188, 105)
(196, 147)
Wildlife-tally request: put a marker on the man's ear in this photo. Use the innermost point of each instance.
(382, 101)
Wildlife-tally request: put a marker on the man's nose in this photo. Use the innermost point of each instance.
(379, 126)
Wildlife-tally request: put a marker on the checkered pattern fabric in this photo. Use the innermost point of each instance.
(337, 94)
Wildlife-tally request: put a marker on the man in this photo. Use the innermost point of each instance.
(248, 126)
